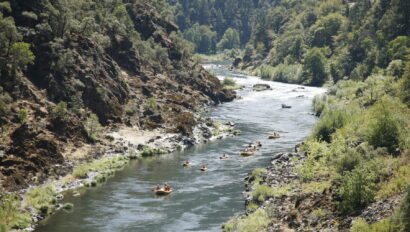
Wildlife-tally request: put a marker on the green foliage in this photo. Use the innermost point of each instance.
(357, 189)
(331, 120)
(153, 151)
(21, 54)
(404, 85)
(40, 198)
(357, 39)
(403, 216)
(386, 225)
(60, 111)
(397, 183)
(22, 115)
(104, 167)
(11, 215)
(218, 16)
(203, 38)
(282, 73)
(5, 101)
(398, 48)
(151, 104)
(325, 28)
(93, 126)
(314, 67)
(255, 221)
(258, 171)
(230, 40)
(262, 192)
(385, 128)
(230, 83)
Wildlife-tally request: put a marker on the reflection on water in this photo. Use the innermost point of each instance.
(202, 200)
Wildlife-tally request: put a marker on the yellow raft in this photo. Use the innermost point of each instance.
(245, 153)
(162, 192)
(187, 164)
(203, 169)
(274, 136)
(224, 157)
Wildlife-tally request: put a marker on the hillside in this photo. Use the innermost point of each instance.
(216, 25)
(69, 66)
(318, 42)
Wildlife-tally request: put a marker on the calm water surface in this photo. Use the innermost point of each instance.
(202, 200)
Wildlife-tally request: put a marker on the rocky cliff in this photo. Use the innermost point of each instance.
(122, 61)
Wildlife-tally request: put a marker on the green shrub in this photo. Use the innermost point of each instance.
(41, 198)
(288, 73)
(11, 215)
(384, 129)
(331, 120)
(81, 171)
(5, 101)
(151, 104)
(397, 183)
(357, 190)
(60, 111)
(348, 161)
(255, 221)
(258, 171)
(93, 126)
(153, 151)
(228, 81)
(385, 225)
(262, 192)
(320, 102)
(403, 215)
(22, 115)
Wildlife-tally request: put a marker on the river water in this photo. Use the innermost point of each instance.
(202, 200)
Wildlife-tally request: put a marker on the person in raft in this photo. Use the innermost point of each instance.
(167, 187)
(250, 145)
(158, 188)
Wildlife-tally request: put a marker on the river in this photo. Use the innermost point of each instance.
(202, 200)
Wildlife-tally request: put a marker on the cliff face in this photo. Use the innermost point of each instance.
(123, 62)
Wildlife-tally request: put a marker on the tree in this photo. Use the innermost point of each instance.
(230, 40)
(203, 38)
(8, 35)
(325, 28)
(314, 67)
(21, 55)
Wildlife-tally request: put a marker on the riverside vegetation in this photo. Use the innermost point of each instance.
(71, 72)
(354, 169)
(357, 160)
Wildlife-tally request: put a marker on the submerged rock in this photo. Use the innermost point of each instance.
(261, 87)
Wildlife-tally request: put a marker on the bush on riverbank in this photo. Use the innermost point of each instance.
(230, 83)
(364, 128)
(11, 214)
(105, 166)
(40, 198)
(358, 153)
(255, 221)
(281, 73)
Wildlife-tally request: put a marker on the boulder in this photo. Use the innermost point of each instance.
(261, 87)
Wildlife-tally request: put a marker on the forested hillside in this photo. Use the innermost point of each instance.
(216, 25)
(353, 172)
(314, 42)
(69, 66)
